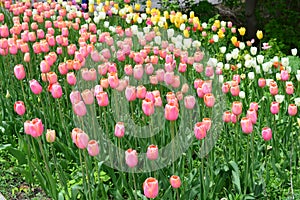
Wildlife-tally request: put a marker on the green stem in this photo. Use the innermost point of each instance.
(87, 175)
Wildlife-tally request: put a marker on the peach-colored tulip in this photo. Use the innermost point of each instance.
(227, 116)
(50, 135)
(87, 96)
(148, 106)
(102, 99)
(292, 110)
(152, 152)
(119, 129)
(175, 181)
(200, 130)
(130, 93)
(274, 108)
(171, 111)
(36, 127)
(93, 148)
(189, 102)
(237, 107)
(150, 187)
(247, 125)
(51, 77)
(79, 108)
(209, 100)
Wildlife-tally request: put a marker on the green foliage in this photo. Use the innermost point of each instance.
(204, 10)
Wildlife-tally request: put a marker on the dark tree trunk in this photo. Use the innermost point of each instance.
(251, 23)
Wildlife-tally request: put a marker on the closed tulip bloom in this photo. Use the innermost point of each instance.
(56, 90)
(189, 102)
(200, 130)
(246, 124)
(93, 74)
(44, 66)
(237, 107)
(171, 112)
(104, 83)
(81, 140)
(113, 80)
(227, 116)
(71, 78)
(152, 152)
(19, 72)
(289, 88)
(209, 100)
(262, 82)
(160, 74)
(251, 113)
(131, 158)
(87, 96)
(102, 99)
(274, 107)
(27, 57)
(292, 110)
(79, 108)
(141, 92)
(207, 87)
(207, 123)
(149, 68)
(26, 127)
(254, 105)
(235, 90)
(150, 187)
(19, 108)
(130, 93)
(148, 106)
(273, 88)
(138, 72)
(93, 148)
(35, 86)
(50, 135)
(175, 181)
(284, 75)
(169, 78)
(225, 88)
(185, 88)
(233, 118)
(266, 133)
(36, 127)
(119, 129)
(51, 77)
(75, 97)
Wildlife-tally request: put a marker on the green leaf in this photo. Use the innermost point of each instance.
(19, 155)
(4, 146)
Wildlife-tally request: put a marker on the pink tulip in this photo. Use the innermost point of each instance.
(141, 92)
(225, 88)
(289, 88)
(169, 78)
(81, 140)
(130, 93)
(251, 113)
(207, 87)
(246, 124)
(19, 107)
(171, 112)
(93, 148)
(261, 82)
(227, 116)
(200, 130)
(36, 128)
(266, 133)
(50, 135)
(233, 118)
(150, 187)
(209, 100)
(175, 181)
(160, 74)
(207, 123)
(131, 158)
(56, 90)
(35, 86)
(274, 107)
(237, 107)
(102, 99)
(19, 72)
(273, 88)
(113, 80)
(138, 72)
(292, 110)
(189, 102)
(79, 108)
(152, 152)
(235, 90)
(254, 105)
(284, 75)
(119, 129)
(51, 77)
(128, 70)
(209, 71)
(71, 78)
(148, 107)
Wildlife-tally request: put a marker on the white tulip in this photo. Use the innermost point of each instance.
(257, 69)
(242, 94)
(294, 51)
(251, 75)
(223, 49)
(106, 24)
(170, 33)
(285, 61)
(279, 98)
(297, 101)
(226, 66)
(242, 45)
(260, 59)
(220, 65)
(253, 50)
(204, 25)
(228, 57)
(215, 38)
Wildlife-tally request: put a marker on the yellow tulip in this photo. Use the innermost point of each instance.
(116, 6)
(148, 11)
(135, 18)
(221, 34)
(259, 34)
(192, 14)
(166, 25)
(186, 33)
(98, 2)
(233, 40)
(130, 9)
(242, 31)
(172, 19)
(107, 3)
(217, 23)
(166, 14)
(91, 8)
(148, 4)
(137, 6)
